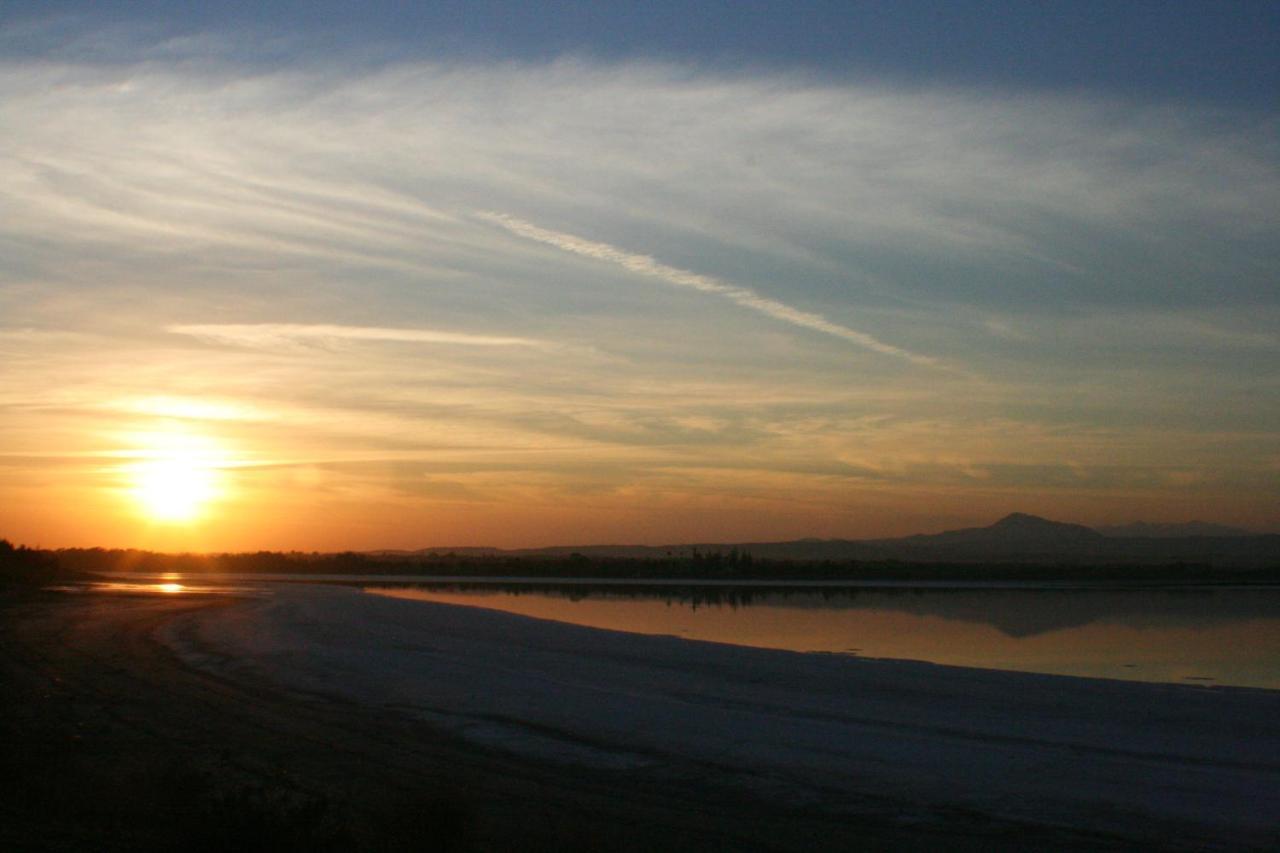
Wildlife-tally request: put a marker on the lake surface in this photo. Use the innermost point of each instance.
(1195, 635)
(1202, 635)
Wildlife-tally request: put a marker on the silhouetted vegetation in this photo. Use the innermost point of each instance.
(22, 566)
(729, 565)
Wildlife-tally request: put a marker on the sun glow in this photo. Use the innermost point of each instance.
(176, 477)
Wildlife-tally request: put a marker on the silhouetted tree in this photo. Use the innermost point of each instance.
(22, 565)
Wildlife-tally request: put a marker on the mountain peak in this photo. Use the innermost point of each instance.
(1015, 530)
(1023, 521)
(1024, 527)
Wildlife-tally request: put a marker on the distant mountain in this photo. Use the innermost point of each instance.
(1016, 529)
(1147, 530)
(1016, 538)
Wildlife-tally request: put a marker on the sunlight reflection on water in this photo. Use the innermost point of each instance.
(165, 588)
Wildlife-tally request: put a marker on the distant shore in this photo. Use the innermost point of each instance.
(552, 581)
(702, 569)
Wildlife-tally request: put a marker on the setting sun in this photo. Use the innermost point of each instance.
(173, 489)
(177, 478)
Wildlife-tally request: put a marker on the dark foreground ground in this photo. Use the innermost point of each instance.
(108, 742)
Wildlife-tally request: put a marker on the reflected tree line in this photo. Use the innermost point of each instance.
(1020, 612)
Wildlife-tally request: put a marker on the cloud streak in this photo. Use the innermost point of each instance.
(266, 335)
(645, 265)
(299, 246)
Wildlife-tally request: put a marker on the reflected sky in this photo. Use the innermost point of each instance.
(1205, 636)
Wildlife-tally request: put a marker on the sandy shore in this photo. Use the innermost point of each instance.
(164, 722)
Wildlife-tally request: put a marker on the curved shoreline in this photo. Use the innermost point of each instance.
(86, 664)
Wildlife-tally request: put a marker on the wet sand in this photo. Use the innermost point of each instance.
(118, 744)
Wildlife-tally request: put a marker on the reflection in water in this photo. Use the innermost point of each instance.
(161, 588)
(1192, 635)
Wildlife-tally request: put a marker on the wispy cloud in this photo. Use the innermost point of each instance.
(267, 335)
(645, 265)
(1121, 256)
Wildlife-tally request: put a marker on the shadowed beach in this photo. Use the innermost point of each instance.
(121, 743)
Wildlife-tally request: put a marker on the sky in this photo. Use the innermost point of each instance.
(316, 276)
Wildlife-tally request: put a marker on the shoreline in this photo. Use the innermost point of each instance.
(92, 664)
(873, 737)
(1169, 638)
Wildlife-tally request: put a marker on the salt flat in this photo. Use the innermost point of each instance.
(1173, 764)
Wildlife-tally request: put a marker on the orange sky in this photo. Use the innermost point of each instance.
(443, 302)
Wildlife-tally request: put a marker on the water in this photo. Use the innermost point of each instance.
(1196, 635)
(167, 584)
(1190, 635)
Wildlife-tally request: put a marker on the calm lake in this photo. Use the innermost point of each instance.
(1228, 636)
(1189, 635)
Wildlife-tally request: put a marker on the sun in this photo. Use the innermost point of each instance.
(173, 489)
(176, 478)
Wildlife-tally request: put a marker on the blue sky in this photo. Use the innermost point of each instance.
(470, 274)
(1220, 51)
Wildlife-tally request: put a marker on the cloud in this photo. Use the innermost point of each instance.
(957, 195)
(1123, 254)
(266, 335)
(645, 265)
